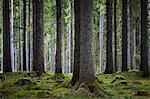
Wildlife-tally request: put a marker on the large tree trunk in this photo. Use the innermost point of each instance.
(109, 61)
(38, 35)
(58, 68)
(86, 58)
(144, 38)
(7, 67)
(124, 35)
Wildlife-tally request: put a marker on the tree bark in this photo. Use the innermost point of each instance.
(38, 35)
(109, 61)
(12, 37)
(76, 67)
(124, 35)
(101, 41)
(24, 36)
(71, 37)
(7, 67)
(144, 38)
(58, 68)
(115, 35)
(29, 35)
(86, 73)
(19, 40)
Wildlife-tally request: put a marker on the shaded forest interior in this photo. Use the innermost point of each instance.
(75, 49)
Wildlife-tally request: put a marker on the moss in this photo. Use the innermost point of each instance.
(76, 86)
(9, 90)
(65, 84)
(120, 85)
(60, 92)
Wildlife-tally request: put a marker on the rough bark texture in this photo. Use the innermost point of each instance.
(109, 61)
(58, 68)
(124, 35)
(76, 66)
(144, 38)
(86, 58)
(38, 35)
(6, 37)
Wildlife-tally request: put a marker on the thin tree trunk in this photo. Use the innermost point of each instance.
(12, 37)
(132, 37)
(115, 34)
(19, 39)
(59, 38)
(24, 37)
(128, 36)
(101, 40)
(71, 36)
(124, 35)
(7, 67)
(29, 40)
(109, 61)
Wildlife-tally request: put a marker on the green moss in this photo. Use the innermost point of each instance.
(9, 90)
(60, 92)
(122, 85)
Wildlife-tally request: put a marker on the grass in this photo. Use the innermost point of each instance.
(121, 85)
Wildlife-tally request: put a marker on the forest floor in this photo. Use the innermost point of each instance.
(119, 85)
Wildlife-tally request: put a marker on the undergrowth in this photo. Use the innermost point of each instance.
(120, 85)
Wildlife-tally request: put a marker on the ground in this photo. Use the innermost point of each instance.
(121, 85)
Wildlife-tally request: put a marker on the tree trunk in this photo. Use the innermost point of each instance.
(144, 38)
(12, 37)
(109, 61)
(24, 36)
(76, 67)
(86, 58)
(71, 37)
(7, 67)
(58, 68)
(128, 35)
(29, 40)
(115, 35)
(124, 35)
(132, 37)
(38, 35)
(19, 39)
(101, 41)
